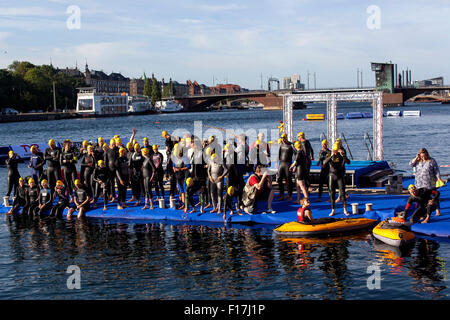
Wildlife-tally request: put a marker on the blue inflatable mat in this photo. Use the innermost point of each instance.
(383, 206)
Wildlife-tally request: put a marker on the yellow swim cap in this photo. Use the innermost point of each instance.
(10, 153)
(129, 145)
(280, 140)
(122, 150)
(213, 156)
(155, 146)
(208, 151)
(51, 142)
(412, 187)
(44, 181)
(324, 141)
(230, 191)
(77, 182)
(137, 146)
(257, 141)
(164, 133)
(297, 144)
(31, 180)
(145, 151)
(85, 143)
(100, 163)
(118, 141)
(284, 135)
(89, 147)
(335, 146)
(59, 183)
(33, 148)
(301, 134)
(189, 182)
(21, 179)
(144, 139)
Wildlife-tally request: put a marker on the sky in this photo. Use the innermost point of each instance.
(231, 41)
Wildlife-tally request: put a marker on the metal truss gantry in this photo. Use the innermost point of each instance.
(332, 98)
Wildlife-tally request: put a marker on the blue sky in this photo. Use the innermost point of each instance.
(231, 41)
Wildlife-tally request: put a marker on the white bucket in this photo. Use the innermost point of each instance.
(369, 206)
(162, 205)
(355, 209)
(6, 202)
(172, 203)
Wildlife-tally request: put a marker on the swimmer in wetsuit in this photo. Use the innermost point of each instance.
(324, 169)
(336, 162)
(285, 155)
(68, 161)
(122, 178)
(148, 174)
(158, 159)
(36, 164)
(45, 200)
(101, 178)
(427, 200)
(52, 156)
(216, 172)
(63, 200)
(81, 201)
(20, 199)
(32, 198)
(13, 172)
(88, 162)
(135, 163)
(299, 167)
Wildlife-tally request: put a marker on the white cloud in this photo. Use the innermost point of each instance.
(189, 21)
(219, 8)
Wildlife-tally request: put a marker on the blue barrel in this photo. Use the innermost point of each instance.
(354, 115)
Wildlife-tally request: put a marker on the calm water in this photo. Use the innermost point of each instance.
(176, 261)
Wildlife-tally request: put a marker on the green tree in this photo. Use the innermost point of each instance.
(147, 87)
(156, 91)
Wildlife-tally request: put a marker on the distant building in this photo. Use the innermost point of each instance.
(226, 89)
(292, 83)
(434, 82)
(112, 83)
(136, 87)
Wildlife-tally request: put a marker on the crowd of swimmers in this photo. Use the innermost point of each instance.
(214, 171)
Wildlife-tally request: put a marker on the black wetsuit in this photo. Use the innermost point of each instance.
(52, 157)
(324, 169)
(101, 177)
(169, 166)
(309, 152)
(13, 174)
(234, 179)
(110, 158)
(148, 172)
(70, 170)
(80, 196)
(45, 198)
(122, 175)
(63, 201)
(260, 155)
(88, 166)
(425, 209)
(285, 155)
(199, 177)
(135, 163)
(336, 164)
(300, 162)
(37, 166)
(20, 198)
(32, 197)
(157, 159)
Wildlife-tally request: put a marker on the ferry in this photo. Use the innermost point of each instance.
(140, 105)
(93, 103)
(168, 106)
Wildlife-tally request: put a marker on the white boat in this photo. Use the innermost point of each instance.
(168, 106)
(140, 105)
(411, 113)
(91, 102)
(394, 113)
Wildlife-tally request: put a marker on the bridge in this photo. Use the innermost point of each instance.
(200, 102)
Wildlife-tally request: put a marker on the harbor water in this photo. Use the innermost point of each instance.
(162, 260)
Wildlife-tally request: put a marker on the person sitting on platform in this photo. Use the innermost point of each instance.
(427, 200)
(258, 188)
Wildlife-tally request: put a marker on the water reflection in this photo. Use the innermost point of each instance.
(175, 261)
